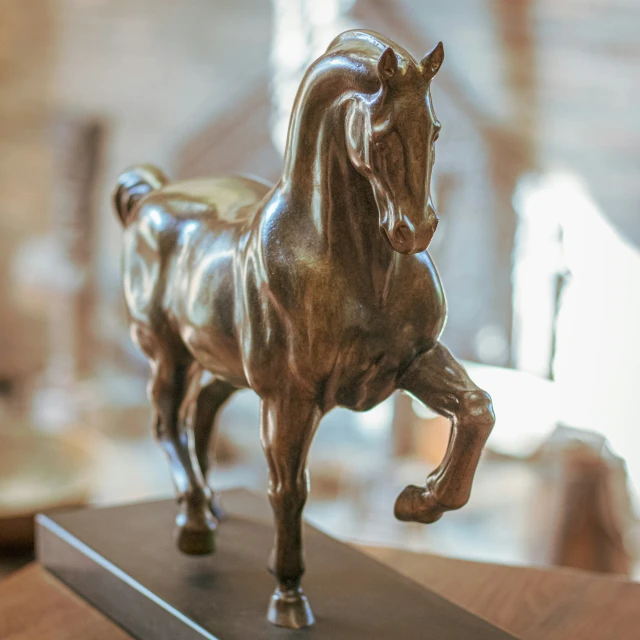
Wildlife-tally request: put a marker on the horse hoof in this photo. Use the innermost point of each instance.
(196, 539)
(290, 609)
(217, 510)
(417, 504)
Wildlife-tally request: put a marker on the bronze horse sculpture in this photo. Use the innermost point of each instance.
(315, 292)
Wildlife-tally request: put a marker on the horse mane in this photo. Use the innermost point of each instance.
(367, 46)
(349, 63)
(360, 51)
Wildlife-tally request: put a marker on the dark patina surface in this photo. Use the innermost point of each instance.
(315, 292)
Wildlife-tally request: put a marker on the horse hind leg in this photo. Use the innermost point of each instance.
(204, 410)
(168, 385)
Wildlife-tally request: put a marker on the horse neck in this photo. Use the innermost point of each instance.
(322, 186)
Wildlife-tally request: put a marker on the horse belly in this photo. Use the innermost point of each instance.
(219, 357)
(204, 306)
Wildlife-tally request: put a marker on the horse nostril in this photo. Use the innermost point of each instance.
(402, 234)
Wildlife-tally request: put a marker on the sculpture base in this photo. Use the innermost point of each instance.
(124, 561)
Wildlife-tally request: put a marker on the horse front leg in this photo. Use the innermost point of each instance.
(438, 380)
(287, 429)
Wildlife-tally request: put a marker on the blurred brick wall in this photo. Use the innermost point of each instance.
(26, 46)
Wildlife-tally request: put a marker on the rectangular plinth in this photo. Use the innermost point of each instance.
(124, 561)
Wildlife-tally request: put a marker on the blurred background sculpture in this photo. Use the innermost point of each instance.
(315, 292)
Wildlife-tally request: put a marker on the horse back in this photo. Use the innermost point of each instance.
(228, 199)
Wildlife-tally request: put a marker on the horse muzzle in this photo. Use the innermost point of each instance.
(405, 238)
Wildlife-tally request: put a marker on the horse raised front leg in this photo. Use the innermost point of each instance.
(438, 380)
(287, 429)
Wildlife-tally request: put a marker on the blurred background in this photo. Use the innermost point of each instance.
(537, 188)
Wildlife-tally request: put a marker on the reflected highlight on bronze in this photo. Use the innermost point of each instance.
(315, 292)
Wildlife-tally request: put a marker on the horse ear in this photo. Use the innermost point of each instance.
(387, 65)
(432, 61)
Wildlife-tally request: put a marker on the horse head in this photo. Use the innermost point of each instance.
(391, 135)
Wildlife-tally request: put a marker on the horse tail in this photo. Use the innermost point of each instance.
(133, 185)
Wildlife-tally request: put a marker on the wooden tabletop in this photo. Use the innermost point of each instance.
(528, 602)
(549, 604)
